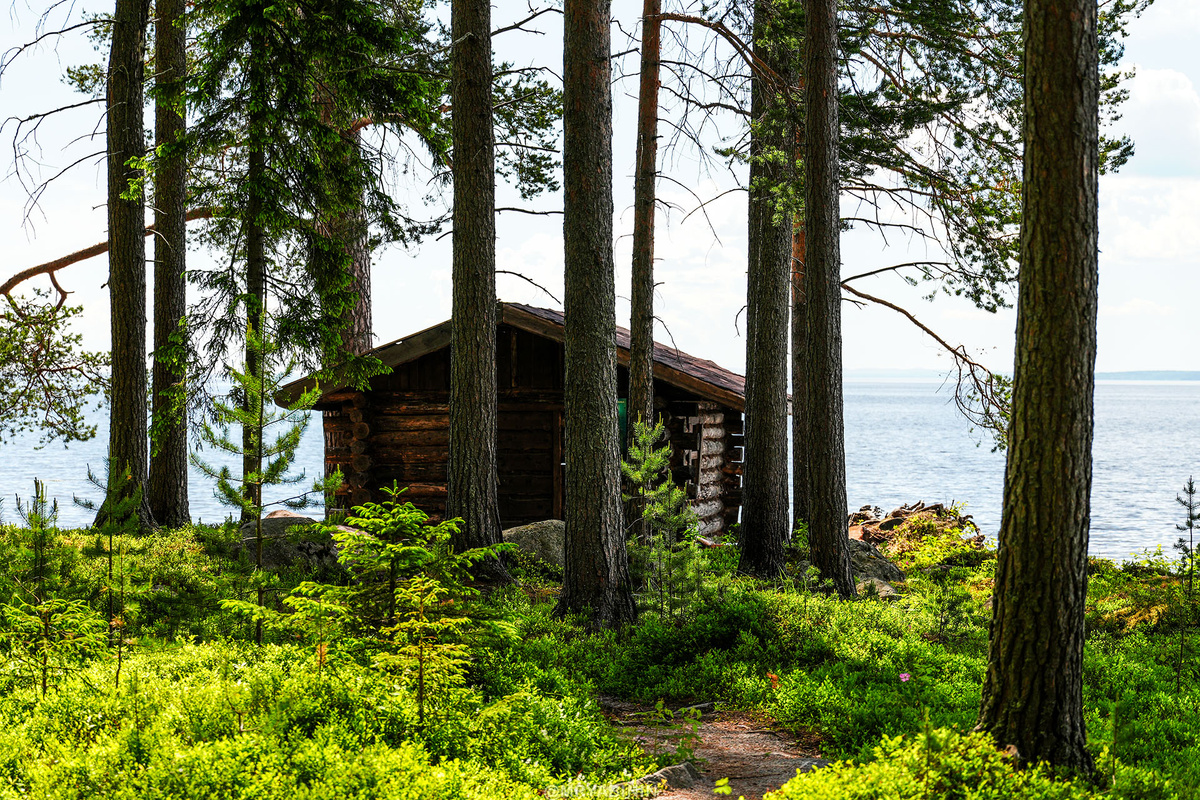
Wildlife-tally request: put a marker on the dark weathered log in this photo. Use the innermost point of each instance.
(409, 455)
(361, 430)
(440, 422)
(399, 439)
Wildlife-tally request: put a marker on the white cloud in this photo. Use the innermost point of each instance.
(1137, 307)
(1149, 219)
(1162, 116)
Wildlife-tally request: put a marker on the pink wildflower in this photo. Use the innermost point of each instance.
(904, 676)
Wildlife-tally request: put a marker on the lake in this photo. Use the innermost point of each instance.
(905, 441)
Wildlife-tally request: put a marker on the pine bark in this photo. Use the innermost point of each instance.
(128, 443)
(800, 404)
(1033, 690)
(359, 334)
(827, 530)
(641, 328)
(256, 270)
(167, 487)
(472, 493)
(765, 512)
(596, 574)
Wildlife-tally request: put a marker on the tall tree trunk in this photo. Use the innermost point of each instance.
(765, 509)
(596, 575)
(641, 326)
(1032, 694)
(256, 270)
(127, 440)
(641, 329)
(359, 334)
(827, 532)
(800, 404)
(472, 491)
(167, 487)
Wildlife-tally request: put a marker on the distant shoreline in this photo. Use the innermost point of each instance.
(933, 374)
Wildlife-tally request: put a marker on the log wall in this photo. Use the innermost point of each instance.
(399, 431)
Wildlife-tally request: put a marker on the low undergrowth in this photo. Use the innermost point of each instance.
(890, 687)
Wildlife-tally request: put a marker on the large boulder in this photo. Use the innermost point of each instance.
(867, 562)
(873, 587)
(289, 538)
(543, 539)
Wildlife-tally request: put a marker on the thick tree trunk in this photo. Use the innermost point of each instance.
(765, 509)
(800, 405)
(827, 530)
(166, 487)
(596, 577)
(472, 470)
(641, 329)
(127, 440)
(1032, 694)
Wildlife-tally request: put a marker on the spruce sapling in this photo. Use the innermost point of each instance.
(1187, 550)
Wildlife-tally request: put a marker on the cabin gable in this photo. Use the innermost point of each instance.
(398, 429)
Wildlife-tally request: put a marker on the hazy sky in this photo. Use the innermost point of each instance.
(1149, 240)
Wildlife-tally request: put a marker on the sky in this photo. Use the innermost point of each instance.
(1149, 223)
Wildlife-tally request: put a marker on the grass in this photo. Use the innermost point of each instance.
(199, 711)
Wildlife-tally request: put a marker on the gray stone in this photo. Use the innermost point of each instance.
(543, 539)
(809, 764)
(680, 776)
(881, 589)
(867, 562)
(289, 538)
(277, 523)
(699, 709)
(891, 523)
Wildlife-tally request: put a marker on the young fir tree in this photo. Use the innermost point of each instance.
(269, 438)
(275, 93)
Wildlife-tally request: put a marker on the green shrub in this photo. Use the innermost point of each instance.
(937, 763)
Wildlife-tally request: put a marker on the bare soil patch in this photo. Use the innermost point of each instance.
(743, 747)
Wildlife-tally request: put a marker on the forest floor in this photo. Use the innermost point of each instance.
(741, 746)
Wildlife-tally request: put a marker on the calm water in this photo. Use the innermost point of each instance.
(907, 442)
(904, 442)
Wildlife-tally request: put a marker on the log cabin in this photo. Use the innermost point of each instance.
(398, 429)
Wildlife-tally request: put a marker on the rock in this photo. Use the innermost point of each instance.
(700, 709)
(288, 539)
(680, 776)
(808, 764)
(543, 539)
(277, 523)
(867, 562)
(891, 523)
(877, 588)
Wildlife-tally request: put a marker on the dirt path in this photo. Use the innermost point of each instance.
(731, 744)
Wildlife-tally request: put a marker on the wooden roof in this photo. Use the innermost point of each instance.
(671, 365)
